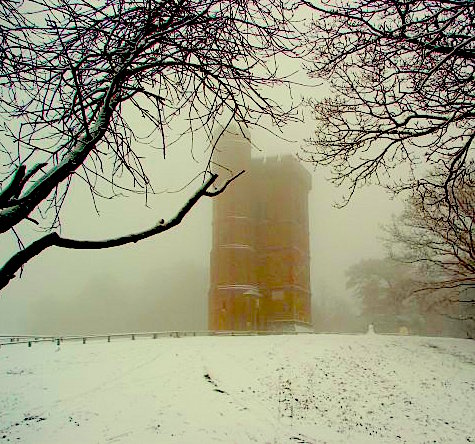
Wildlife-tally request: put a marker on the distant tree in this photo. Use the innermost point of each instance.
(73, 72)
(407, 294)
(402, 82)
(382, 285)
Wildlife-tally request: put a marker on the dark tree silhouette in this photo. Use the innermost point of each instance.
(402, 79)
(73, 72)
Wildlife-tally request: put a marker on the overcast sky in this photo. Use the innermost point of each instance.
(162, 283)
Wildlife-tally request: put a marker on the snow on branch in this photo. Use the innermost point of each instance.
(12, 266)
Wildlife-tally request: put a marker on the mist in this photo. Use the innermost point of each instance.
(161, 283)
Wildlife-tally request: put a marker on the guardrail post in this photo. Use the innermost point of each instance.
(108, 338)
(133, 337)
(29, 343)
(83, 340)
(58, 341)
(154, 336)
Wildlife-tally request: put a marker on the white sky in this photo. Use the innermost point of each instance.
(168, 275)
(162, 283)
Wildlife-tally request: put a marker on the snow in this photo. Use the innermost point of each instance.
(246, 389)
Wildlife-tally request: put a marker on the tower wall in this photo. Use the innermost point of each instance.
(282, 241)
(233, 296)
(260, 258)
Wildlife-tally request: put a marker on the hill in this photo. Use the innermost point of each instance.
(262, 389)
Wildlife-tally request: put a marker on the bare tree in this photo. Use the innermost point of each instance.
(73, 72)
(439, 234)
(436, 234)
(402, 82)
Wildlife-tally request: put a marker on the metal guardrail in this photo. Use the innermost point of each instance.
(6, 340)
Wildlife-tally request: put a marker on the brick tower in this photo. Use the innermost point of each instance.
(260, 258)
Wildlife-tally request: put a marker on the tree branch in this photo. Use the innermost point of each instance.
(17, 261)
(12, 189)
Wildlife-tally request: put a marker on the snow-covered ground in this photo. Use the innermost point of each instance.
(262, 389)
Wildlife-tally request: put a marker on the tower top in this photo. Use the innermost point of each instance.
(233, 130)
(232, 152)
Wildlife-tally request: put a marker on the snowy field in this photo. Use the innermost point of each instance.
(265, 389)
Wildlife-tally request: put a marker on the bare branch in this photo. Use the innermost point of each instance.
(7, 272)
(76, 75)
(401, 78)
(437, 231)
(14, 187)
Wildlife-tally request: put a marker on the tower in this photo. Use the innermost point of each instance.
(234, 295)
(260, 259)
(282, 241)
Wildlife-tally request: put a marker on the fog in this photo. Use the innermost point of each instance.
(162, 283)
